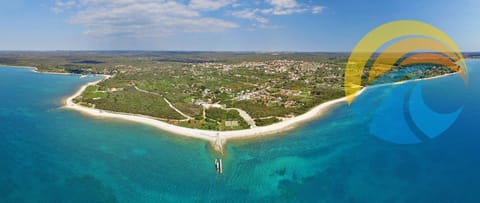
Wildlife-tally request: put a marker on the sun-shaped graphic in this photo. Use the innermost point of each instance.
(400, 44)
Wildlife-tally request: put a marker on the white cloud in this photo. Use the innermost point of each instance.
(283, 4)
(209, 4)
(143, 18)
(152, 18)
(283, 7)
(251, 14)
(317, 9)
(288, 7)
(60, 6)
(275, 7)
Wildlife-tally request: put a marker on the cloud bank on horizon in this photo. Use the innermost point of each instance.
(154, 18)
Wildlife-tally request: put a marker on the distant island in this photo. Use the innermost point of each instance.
(215, 94)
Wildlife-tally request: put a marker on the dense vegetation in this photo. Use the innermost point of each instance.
(266, 121)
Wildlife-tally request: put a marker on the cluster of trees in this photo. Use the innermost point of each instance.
(266, 121)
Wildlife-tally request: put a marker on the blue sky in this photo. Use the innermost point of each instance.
(221, 25)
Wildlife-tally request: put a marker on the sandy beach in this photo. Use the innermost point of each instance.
(217, 138)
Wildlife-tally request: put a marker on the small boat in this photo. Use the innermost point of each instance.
(218, 165)
(221, 166)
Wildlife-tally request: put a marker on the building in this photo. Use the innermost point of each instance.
(231, 124)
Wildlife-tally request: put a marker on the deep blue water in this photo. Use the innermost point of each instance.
(49, 154)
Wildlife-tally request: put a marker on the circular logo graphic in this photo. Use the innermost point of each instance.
(402, 116)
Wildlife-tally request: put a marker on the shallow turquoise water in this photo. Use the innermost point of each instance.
(50, 154)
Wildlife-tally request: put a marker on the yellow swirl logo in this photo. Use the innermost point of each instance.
(424, 43)
(402, 115)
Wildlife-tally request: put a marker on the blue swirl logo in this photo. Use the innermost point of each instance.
(401, 113)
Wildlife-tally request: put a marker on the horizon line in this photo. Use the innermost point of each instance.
(190, 51)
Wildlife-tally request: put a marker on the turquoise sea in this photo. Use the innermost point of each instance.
(49, 154)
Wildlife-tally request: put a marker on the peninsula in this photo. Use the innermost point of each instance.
(208, 95)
